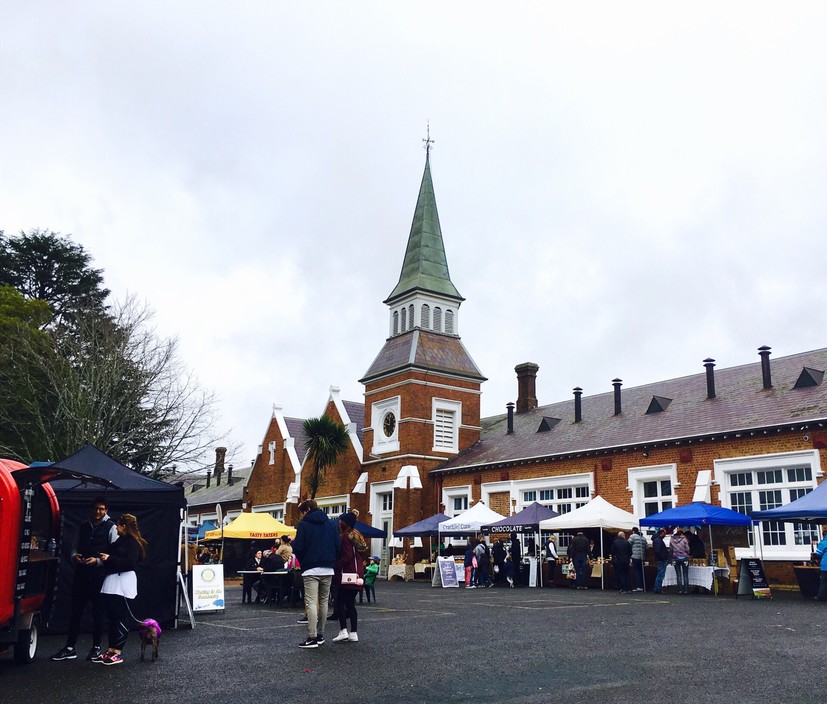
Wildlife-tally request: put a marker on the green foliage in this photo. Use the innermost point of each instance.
(47, 266)
(326, 441)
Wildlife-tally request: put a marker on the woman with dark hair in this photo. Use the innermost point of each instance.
(120, 585)
(250, 580)
(350, 563)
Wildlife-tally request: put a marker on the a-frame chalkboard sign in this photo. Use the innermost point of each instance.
(752, 580)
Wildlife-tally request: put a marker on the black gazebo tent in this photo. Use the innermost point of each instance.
(158, 507)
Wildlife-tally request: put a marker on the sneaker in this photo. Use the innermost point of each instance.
(303, 619)
(637, 589)
(353, 637)
(66, 653)
(309, 643)
(320, 640)
(113, 659)
(95, 653)
(342, 637)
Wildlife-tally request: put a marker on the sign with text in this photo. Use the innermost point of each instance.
(751, 579)
(447, 571)
(207, 588)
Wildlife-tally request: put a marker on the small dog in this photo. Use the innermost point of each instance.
(150, 632)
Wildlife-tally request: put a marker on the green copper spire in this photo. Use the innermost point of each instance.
(425, 267)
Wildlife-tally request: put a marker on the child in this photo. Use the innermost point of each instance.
(371, 571)
(508, 570)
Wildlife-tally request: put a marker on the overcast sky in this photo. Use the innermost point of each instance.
(624, 188)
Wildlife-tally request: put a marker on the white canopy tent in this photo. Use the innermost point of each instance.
(471, 521)
(598, 513)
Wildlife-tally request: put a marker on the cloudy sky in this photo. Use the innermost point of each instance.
(624, 188)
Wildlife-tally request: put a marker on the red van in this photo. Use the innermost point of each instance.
(29, 542)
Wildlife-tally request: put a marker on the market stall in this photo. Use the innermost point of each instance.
(426, 528)
(599, 514)
(468, 523)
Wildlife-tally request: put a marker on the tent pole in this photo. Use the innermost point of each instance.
(602, 561)
(711, 551)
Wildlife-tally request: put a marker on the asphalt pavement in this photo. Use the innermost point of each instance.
(424, 644)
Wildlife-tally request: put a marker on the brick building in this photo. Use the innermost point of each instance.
(748, 437)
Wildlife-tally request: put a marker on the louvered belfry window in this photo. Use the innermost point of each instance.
(425, 314)
(438, 319)
(444, 428)
(449, 321)
(404, 319)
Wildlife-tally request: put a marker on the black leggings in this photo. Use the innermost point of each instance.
(346, 600)
(120, 619)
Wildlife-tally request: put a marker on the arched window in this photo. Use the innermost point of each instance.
(438, 319)
(425, 315)
(404, 319)
(449, 321)
(395, 323)
(410, 316)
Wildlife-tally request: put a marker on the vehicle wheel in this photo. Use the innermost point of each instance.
(26, 646)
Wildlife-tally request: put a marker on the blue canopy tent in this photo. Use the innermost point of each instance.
(810, 508)
(698, 513)
(427, 527)
(370, 531)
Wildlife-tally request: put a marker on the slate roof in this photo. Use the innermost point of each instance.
(223, 493)
(295, 426)
(425, 267)
(741, 404)
(356, 411)
(424, 349)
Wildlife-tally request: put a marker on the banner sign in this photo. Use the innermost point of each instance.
(207, 588)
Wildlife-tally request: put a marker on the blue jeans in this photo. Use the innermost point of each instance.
(661, 574)
(682, 575)
(580, 568)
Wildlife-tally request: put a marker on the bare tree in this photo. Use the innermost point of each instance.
(111, 381)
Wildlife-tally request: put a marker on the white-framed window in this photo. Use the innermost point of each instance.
(384, 422)
(561, 494)
(334, 510)
(410, 316)
(447, 417)
(381, 503)
(460, 505)
(395, 323)
(437, 318)
(762, 482)
(275, 510)
(404, 317)
(425, 316)
(271, 448)
(652, 488)
(387, 501)
(456, 500)
(449, 320)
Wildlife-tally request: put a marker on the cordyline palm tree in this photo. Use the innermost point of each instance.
(326, 441)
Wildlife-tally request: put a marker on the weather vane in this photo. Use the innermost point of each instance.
(428, 141)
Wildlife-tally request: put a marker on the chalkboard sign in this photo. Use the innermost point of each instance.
(751, 579)
(447, 571)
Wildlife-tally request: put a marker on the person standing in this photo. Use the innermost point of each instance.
(371, 573)
(661, 557)
(579, 554)
(516, 558)
(679, 547)
(499, 554)
(317, 546)
(253, 565)
(93, 537)
(120, 586)
(350, 562)
(821, 548)
(639, 545)
(468, 563)
(697, 550)
(483, 564)
(621, 557)
(551, 559)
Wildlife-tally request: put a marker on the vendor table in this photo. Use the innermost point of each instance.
(424, 569)
(405, 572)
(698, 576)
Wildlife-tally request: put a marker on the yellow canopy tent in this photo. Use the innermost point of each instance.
(252, 526)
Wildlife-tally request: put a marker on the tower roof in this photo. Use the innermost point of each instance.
(425, 267)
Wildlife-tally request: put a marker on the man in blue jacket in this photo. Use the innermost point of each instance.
(821, 548)
(317, 547)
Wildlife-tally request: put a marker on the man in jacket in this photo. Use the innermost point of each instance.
(579, 554)
(621, 557)
(317, 546)
(661, 557)
(638, 543)
(93, 537)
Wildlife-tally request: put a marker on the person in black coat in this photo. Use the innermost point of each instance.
(621, 559)
(661, 557)
(250, 580)
(499, 554)
(516, 557)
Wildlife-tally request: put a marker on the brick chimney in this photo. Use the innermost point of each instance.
(220, 454)
(526, 386)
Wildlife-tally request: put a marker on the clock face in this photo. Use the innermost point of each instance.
(389, 424)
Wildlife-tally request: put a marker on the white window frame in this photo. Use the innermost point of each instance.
(446, 406)
(380, 516)
(275, 510)
(782, 460)
(271, 449)
(636, 477)
(564, 481)
(382, 444)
